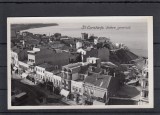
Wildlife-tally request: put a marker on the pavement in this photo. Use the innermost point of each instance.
(35, 90)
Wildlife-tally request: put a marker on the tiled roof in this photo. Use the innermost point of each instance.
(98, 80)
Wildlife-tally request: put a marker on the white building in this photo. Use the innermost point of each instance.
(92, 60)
(40, 72)
(32, 55)
(78, 44)
(14, 57)
(55, 79)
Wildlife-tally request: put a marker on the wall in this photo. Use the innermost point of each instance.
(48, 76)
(78, 85)
(32, 57)
(74, 76)
(15, 58)
(23, 64)
(40, 72)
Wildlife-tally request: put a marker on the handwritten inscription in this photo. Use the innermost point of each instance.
(105, 27)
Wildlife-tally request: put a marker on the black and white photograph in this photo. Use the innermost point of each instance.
(101, 62)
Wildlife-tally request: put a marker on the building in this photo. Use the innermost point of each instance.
(70, 72)
(25, 33)
(17, 54)
(78, 44)
(23, 67)
(40, 71)
(77, 91)
(84, 36)
(98, 84)
(102, 53)
(14, 58)
(144, 86)
(98, 87)
(53, 80)
(45, 55)
(31, 43)
(101, 40)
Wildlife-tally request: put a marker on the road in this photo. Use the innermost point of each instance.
(34, 93)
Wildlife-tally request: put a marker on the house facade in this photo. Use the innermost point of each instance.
(77, 91)
(70, 72)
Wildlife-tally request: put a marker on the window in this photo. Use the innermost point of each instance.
(91, 91)
(79, 89)
(73, 88)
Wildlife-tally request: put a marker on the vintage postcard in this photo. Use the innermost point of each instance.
(80, 62)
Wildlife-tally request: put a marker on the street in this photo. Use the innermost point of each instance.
(35, 94)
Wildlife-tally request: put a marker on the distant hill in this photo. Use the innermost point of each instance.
(122, 56)
(18, 27)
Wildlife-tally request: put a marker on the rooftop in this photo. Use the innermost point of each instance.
(72, 65)
(45, 65)
(98, 80)
(17, 50)
(32, 51)
(109, 64)
(55, 71)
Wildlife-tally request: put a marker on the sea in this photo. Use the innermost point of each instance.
(133, 35)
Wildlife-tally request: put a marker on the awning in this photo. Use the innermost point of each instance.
(99, 94)
(24, 75)
(15, 68)
(98, 103)
(64, 92)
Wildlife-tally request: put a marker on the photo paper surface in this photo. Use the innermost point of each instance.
(80, 62)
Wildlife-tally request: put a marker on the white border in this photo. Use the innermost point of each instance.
(148, 19)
